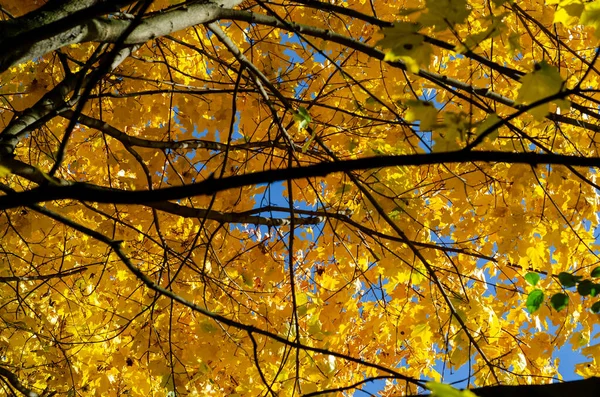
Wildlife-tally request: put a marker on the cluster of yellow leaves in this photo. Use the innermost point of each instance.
(100, 331)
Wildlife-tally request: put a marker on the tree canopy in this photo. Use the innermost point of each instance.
(248, 198)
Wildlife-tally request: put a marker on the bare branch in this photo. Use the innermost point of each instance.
(66, 273)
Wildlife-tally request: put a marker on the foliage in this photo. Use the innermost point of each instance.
(298, 197)
(441, 390)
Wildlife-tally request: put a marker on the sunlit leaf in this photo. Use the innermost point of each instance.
(423, 112)
(302, 118)
(568, 12)
(445, 390)
(543, 82)
(532, 278)
(404, 43)
(534, 300)
(591, 16)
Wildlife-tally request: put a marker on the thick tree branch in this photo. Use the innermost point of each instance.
(51, 104)
(60, 29)
(109, 30)
(16, 383)
(86, 192)
(47, 107)
(37, 176)
(586, 387)
(7, 279)
(224, 217)
(48, 28)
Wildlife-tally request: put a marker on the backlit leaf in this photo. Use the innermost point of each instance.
(423, 112)
(302, 118)
(532, 278)
(534, 300)
(544, 81)
(4, 171)
(559, 301)
(404, 43)
(568, 280)
(444, 390)
(591, 16)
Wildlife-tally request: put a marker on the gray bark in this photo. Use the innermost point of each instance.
(52, 27)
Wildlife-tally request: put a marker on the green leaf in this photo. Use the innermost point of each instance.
(396, 213)
(532, 278)
(591, 16)
(302, 117)
(596, 307)
(559, 301)
(309, 141)
(596, 272)
(302, 303)
(586, 287)
(568, 280)
(534, 300)
(443, 390)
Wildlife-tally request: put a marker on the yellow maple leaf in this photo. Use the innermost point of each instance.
(422, 331)
(445, 13)
(422, 111)
(543, 82)
(591, 16)
(405, 44)
(567, 12)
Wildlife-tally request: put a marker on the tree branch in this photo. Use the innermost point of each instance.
(66, 273)
(16, 383)
(224, 217)
(92, 193)
(586, 387)
(61, 29)
(126, 139)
